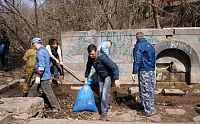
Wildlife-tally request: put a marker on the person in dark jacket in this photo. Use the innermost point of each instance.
(4, 40)
(144, 65)
(107, 70)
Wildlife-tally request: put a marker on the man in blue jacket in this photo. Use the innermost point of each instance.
(107, 70)
(43, 75)
(144, 64)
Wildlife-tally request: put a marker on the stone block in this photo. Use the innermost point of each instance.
(175, 111)
(5, 119)
(32, 106)
(133, 90)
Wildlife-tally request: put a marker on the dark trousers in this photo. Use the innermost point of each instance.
(4, 60)
(55, 70)
(46, 86)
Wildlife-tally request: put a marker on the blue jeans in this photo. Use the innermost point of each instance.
(55, 70)
(104, 91)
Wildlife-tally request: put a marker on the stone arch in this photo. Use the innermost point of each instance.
(194, 59)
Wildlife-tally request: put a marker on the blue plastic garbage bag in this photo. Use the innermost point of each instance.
(85, 99)
(1, 49)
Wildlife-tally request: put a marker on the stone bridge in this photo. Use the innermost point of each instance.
(180, 45)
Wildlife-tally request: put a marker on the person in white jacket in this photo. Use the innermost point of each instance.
(55, 55)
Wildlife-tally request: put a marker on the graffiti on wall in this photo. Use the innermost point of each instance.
(122, 45)
(198, 39)
(122, 72)
(75, 50)
(174, 44)
(152, 40)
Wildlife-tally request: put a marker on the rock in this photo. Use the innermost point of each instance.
(5, 119)
(32, 106)
(155, 118)
(127, 117)
(9, 79)
(196, 91)
(175, 111)
(158, 91)
(173, 92)
(23, 116)
(133, 90)
(196, 119)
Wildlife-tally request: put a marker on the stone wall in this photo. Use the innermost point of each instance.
(74, 47)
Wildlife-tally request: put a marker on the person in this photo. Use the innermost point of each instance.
(105, 46)
(30, 59)
(56, 57)
(144, 64)
(107, 70)
(4, 40)
(43, 75)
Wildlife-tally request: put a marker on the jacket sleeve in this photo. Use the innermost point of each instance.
(137, 55)
(25, 58)
(41, 60)
(88, 67)
(111, 65)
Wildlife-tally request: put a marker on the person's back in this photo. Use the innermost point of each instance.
(44, 63)
(30, 57)
(148, 55)
(104, 46)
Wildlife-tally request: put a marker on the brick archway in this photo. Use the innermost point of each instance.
(194, 60)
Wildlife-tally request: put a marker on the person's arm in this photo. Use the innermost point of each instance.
(88, 68)
(53, 57)
(137, 55)
(60, 55)
(41, 66)
(25, 58)
(113, 66)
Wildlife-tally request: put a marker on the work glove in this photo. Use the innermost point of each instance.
(133, 77)
(37, 80)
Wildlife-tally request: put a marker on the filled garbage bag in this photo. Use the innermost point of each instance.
(85, 99)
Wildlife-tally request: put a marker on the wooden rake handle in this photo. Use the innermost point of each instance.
(73, 72)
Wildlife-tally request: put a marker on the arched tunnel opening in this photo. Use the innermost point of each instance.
(173, 65)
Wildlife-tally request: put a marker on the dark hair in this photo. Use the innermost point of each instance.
(3, 32)
(110, 42)
(52, 40)
(91, 47)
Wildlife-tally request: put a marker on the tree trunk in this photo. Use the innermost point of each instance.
(36, 15)
(155, 15)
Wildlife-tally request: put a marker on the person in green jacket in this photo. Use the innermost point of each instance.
(30, 59)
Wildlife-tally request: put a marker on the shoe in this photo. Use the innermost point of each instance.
(102, 117)
(25, 95)
(6, 70)
(142, 113)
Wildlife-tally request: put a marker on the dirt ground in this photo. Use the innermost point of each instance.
(122, 103)
(124, 106)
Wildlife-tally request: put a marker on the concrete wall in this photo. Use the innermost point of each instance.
(74, 47)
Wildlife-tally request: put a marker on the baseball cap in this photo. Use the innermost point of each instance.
(34, 40)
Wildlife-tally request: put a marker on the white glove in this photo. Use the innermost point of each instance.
(37, 80)
(133, 77)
